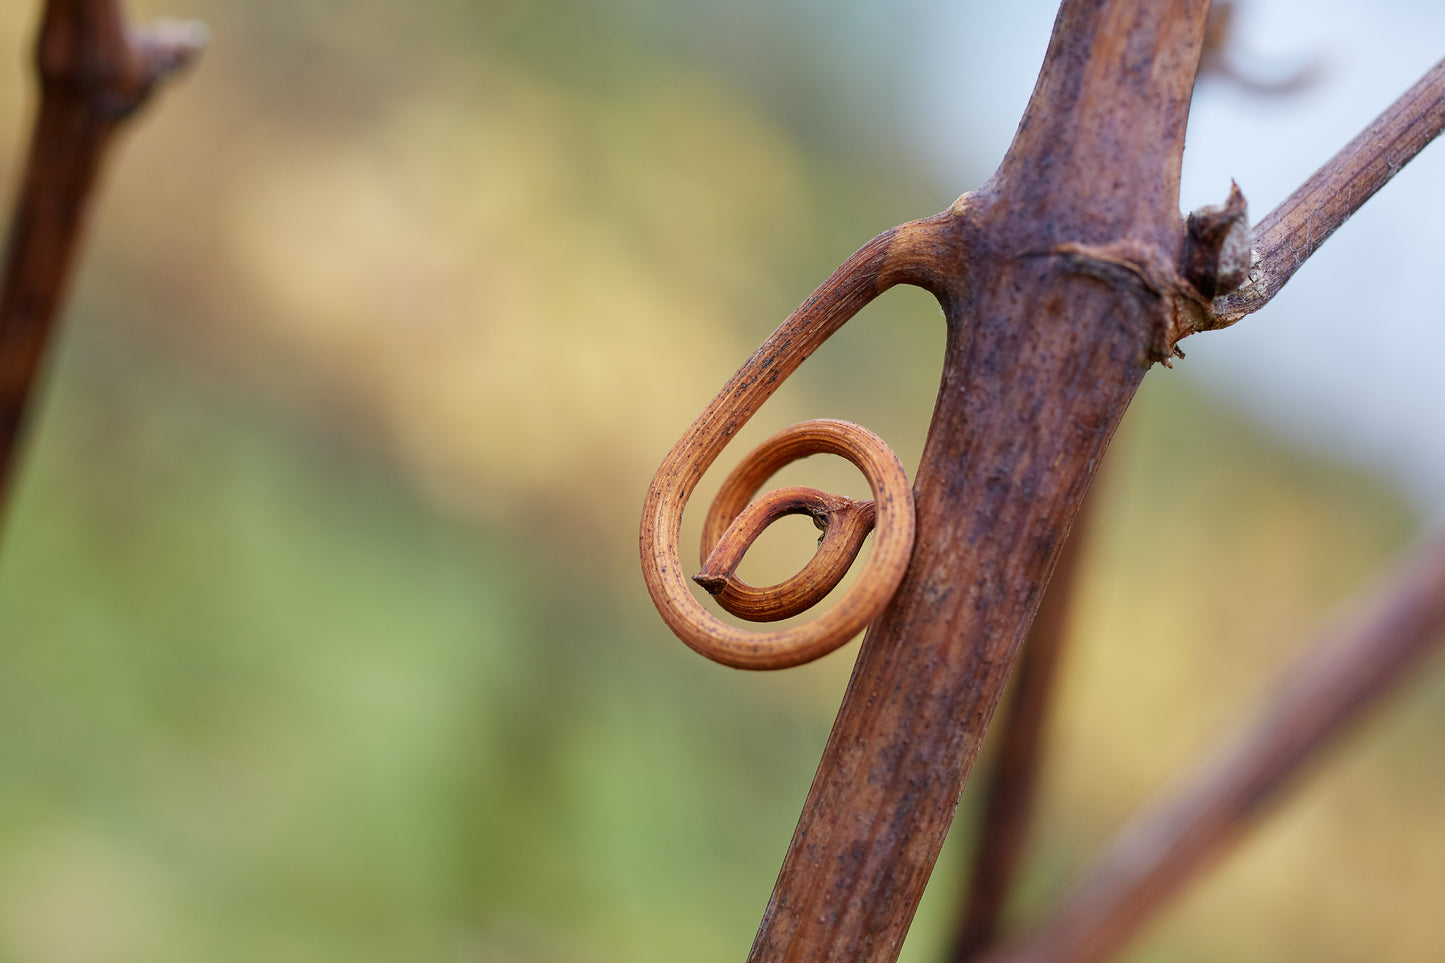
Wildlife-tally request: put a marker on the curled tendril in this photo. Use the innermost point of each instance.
(845, 523)
(907, 254)
(731, 528)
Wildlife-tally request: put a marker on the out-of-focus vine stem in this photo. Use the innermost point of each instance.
(95, 73)
(1357, 664)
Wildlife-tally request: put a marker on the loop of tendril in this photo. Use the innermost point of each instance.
(909, 254)
(732, 524)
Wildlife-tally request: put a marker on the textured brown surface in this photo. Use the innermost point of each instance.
(1061, 283)
(1013, 781)
(1043, 356)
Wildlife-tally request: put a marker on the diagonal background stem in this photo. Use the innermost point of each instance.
(1356, 665)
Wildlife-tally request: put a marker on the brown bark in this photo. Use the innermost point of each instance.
(95, 72)
(1060, 288)
(1045, 349)
(1013, 782)
(1061, 282)
(1354, 667)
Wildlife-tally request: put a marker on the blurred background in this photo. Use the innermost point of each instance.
(322, 634)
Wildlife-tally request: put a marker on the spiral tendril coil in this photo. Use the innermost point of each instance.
(907, 254)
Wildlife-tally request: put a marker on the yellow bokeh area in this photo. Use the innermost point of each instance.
(322, 633)
(499, 312)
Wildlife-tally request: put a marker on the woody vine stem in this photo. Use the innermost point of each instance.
(1063, 279)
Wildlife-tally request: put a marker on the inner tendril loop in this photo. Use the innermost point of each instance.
(732, 525)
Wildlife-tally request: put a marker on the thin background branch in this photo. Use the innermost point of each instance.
(95, 73)
(1355, 666)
